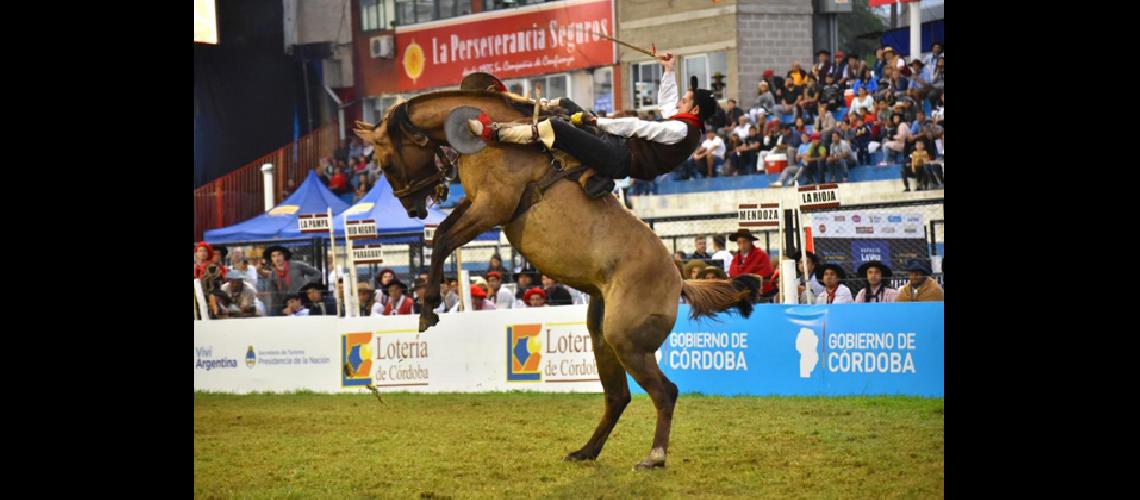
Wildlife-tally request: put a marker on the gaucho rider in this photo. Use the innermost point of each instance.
(632, 147)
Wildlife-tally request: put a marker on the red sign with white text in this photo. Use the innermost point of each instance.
(507, 44)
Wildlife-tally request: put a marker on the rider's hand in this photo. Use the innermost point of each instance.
(668, 61)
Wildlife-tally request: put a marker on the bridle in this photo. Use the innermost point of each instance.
(443, 167)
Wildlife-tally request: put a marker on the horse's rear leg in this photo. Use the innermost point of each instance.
(613, 380)
(640, 361)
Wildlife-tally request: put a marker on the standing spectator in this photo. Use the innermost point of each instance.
(765, 103)
(880, 63)
(823, 65)
(525, 280)
(316, 302)
(863, 103)
(921, 288)
(833, 292)
(719, 253)
(825, 124)
(496, 264)
(937, 82)
(750, 259)
(920, 80)
(325, 177)
(743, 157)
(419, 291)
(877, 291)
(557, 295)
(355, 148)
(808, 99)
(839, 71)
(294, 305)
(326, 169)
(853, 69)
(365, 298)
(917, 168)
(815, 161)
(398, 303)
(241, 265)
(935, 54)
(286, 277)
(535, 297)
(861, 142)
(837, 158)
(386, 276)
(203, 257)
(503, 298)
(831, 95)
(700, 252)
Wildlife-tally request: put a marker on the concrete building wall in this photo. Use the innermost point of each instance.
(774, 34)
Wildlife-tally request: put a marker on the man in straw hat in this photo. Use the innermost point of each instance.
(366, 298)
(877, 291)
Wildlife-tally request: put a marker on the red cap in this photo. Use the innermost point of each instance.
(768, 73)
(477, 291)
(533, 291)
(815, 136)
(839, 54)
(209, 249)
(495, 274)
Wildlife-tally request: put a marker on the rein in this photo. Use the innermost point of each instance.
(439, 178)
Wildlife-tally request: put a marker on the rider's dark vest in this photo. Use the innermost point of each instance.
(648, 159)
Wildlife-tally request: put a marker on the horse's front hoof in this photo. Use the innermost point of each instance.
(427, 320)
(580, 455)
(648, 464)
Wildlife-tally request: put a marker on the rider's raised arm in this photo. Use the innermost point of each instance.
(667, 95)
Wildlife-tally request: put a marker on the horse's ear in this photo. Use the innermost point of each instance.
(364, 125)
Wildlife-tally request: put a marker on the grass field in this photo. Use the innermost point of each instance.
(510, 445)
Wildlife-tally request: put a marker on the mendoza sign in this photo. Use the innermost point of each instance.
(811, 350)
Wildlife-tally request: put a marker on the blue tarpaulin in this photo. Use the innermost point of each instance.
(392, 219)
(280, 223)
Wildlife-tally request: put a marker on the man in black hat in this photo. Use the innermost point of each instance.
(526, 280)
(921, 287)
(877, 291)
(316, 302)
(398, 302)
(630, 147)
(286, 277)
(833, 292)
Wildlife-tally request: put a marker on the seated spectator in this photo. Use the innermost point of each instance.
(719, 252)
(743, 157)
(861, 142)
(833, 292)
(897, 134)
(316, 301)
(241, 298)
(937, 82)
(361, 188)
(823, 65)
(398, 303)
(326, 168)
(708, 159)
(784, 100)
(873, 273)
(503, 298)
(386, 276)
(919, 80)
(815, 161)
(713, 273)
(323, 177)
(732, 113)
(535, 297)
(355, 147)
(865, 81)
(739, 132)
(294, 305)
(338, 183)
(365, 298)
(203, 257)
(917, 168)
(839, 71)
(693, 269)
(450, 297)
(839, 154)
(526, 282)
(812, 288)
(719, 120)
(765, 104)
(241, 265)
(419, 291)
(557, 295)
(479, 300)
(938, 114)
(863, 104)
(700, 245)
(750, 259)
(921, 288)
(808, 99)
(796, 163)
(797, 76)
(907, 106)
(831, 94)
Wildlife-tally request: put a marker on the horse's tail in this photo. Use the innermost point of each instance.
(709, 297)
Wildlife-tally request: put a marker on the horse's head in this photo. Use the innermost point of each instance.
(406, 155)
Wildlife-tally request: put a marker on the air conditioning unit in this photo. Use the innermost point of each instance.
(381, 47)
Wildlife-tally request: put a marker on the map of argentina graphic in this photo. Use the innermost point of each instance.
(524, 352)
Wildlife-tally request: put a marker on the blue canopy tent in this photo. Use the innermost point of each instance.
(392, 222)
(280, 223)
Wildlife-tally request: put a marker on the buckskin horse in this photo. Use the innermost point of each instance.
(592, 244)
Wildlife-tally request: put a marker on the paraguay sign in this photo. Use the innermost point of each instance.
(368, 254)
(752, 215)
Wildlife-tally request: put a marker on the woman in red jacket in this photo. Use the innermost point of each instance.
(750, 259)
